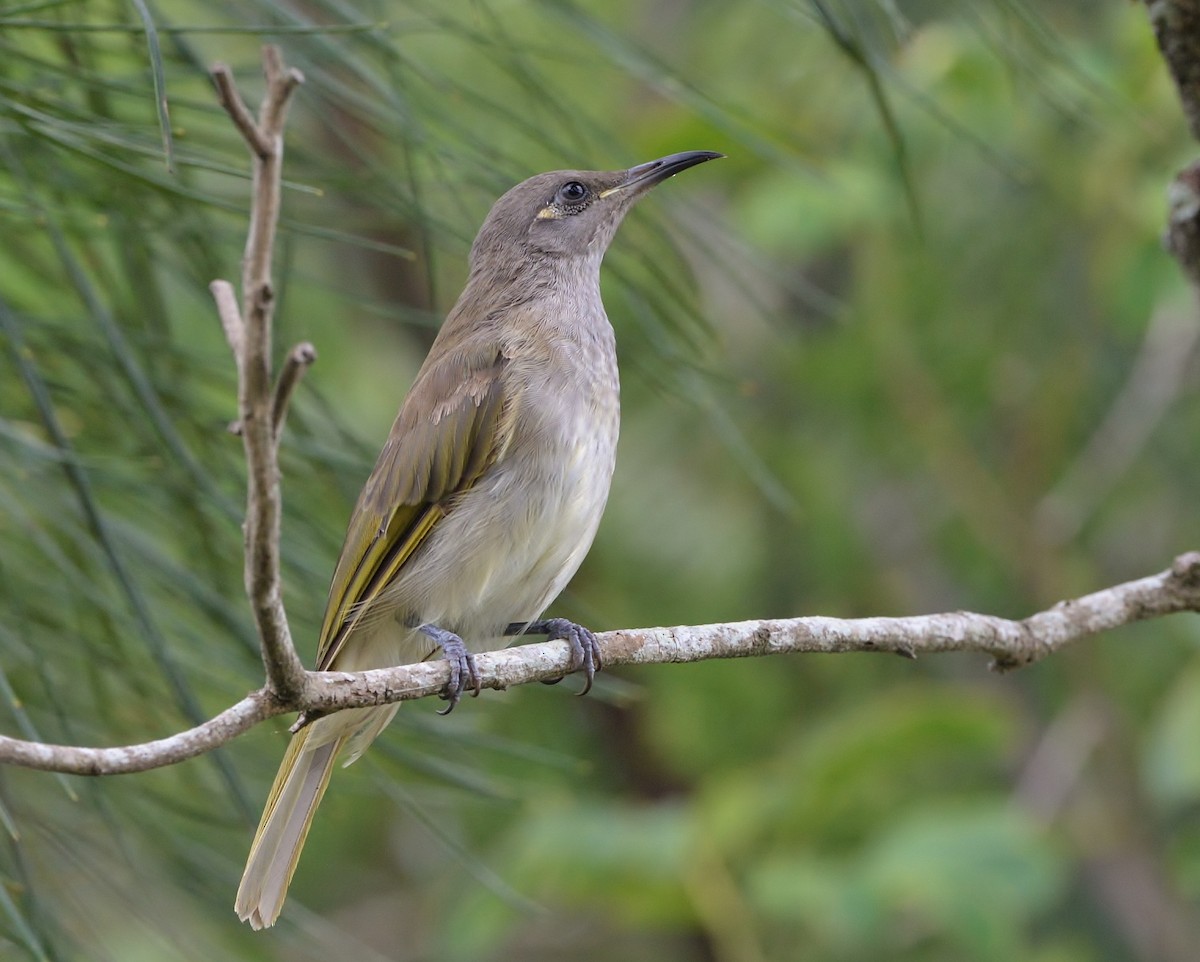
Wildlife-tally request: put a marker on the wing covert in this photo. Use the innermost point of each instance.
(454, 423)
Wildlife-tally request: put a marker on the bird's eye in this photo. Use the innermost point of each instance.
(572, 192)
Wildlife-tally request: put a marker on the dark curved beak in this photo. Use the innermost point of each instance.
(645, 176)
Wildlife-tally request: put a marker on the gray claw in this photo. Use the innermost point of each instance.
(585, 651)
(463, 674)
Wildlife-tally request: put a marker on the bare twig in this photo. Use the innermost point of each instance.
(281, 82)
(232, 101)
(233, 721)
(230, 315)
(300, 358)
(1011, 644)
(285, 672)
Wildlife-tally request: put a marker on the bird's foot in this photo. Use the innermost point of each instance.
(462, 665)
(585, 650)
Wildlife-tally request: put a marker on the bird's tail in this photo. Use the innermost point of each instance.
(301, 782)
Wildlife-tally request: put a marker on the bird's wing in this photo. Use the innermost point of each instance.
(454, 423)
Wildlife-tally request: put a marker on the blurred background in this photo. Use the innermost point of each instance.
(914, 346)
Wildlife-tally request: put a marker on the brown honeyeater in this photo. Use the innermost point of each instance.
(489, 489)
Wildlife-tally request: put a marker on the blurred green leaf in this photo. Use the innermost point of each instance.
(1172, 757)
(963, 881)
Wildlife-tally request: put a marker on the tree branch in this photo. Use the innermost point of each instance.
(1177, 29)
(71, 760)
(300, 358)
(242, 118)
(231, 317)
(257, 410)
(1182, 237)
(1010, 644)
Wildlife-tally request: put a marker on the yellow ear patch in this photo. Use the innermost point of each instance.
(549, 213)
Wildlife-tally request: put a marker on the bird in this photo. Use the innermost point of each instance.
(488, 492)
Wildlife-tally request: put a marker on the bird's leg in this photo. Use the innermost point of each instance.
(462, 665)
(585, 650)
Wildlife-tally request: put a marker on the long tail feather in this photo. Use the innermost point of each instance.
(301, 782)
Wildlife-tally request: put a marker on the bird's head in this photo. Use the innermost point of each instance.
(572, 213)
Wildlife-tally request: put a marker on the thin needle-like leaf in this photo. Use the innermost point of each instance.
(80, 482)
(858, 54)
(22, 928)
(160, 83)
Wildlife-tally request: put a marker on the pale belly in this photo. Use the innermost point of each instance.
(507, 546)
(500, 556)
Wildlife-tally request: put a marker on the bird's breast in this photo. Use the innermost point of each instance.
(560, 465)
(511, 542)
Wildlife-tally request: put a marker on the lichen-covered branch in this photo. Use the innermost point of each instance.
(125, 759)
(1010, 644)
(1176, 26)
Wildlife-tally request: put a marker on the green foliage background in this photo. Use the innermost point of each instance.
(913, 347)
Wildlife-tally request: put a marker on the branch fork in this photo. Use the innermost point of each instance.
(261, 407)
